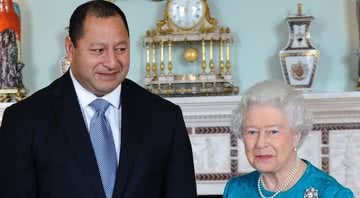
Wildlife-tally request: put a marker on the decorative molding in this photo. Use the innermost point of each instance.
(213, 177)
(211, 130)
(217, 110)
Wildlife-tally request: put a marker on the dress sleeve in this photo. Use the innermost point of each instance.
(344, 193)
(228, 188)
(336, 191)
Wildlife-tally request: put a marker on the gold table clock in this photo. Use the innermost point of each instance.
(186, 16)
(188, 24)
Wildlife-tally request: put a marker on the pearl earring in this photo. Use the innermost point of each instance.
(295, 149)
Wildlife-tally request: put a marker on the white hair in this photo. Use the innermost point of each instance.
(279, 95)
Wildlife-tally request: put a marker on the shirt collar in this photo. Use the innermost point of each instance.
(85, 97)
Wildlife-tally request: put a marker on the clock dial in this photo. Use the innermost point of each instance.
(186, 13)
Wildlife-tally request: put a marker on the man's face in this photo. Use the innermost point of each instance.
(100, 60)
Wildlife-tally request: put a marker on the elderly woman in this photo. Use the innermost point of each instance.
(272, 121)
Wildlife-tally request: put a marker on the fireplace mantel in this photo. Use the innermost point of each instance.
(214, 110)
(333, 145)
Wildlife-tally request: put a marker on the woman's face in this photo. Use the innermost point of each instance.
(269, 142)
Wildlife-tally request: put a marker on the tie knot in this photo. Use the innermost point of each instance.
(99, 105)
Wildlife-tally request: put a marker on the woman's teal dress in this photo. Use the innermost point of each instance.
(325, 185)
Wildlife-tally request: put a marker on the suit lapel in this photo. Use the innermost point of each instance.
(70, 118)
(130, 136)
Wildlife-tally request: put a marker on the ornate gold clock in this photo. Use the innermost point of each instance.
(188, 23)
(184, 16)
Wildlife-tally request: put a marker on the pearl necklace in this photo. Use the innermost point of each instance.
(283, 185)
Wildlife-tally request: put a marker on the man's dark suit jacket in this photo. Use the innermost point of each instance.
(46, 152)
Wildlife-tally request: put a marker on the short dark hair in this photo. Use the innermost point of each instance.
(97, 8)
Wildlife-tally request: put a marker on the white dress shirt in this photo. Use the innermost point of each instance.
(113, 113)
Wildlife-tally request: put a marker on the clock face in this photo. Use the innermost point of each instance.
(186, 14)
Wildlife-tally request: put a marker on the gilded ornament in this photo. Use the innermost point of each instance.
(191, 54)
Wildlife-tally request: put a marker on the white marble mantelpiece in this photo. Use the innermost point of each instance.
(333, 145)
(219, 155)
(214, 110)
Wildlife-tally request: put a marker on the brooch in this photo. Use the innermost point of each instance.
(311, 193)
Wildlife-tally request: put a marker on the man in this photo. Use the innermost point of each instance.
(58, 144)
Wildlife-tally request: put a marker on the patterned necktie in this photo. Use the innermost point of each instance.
(103, 144)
